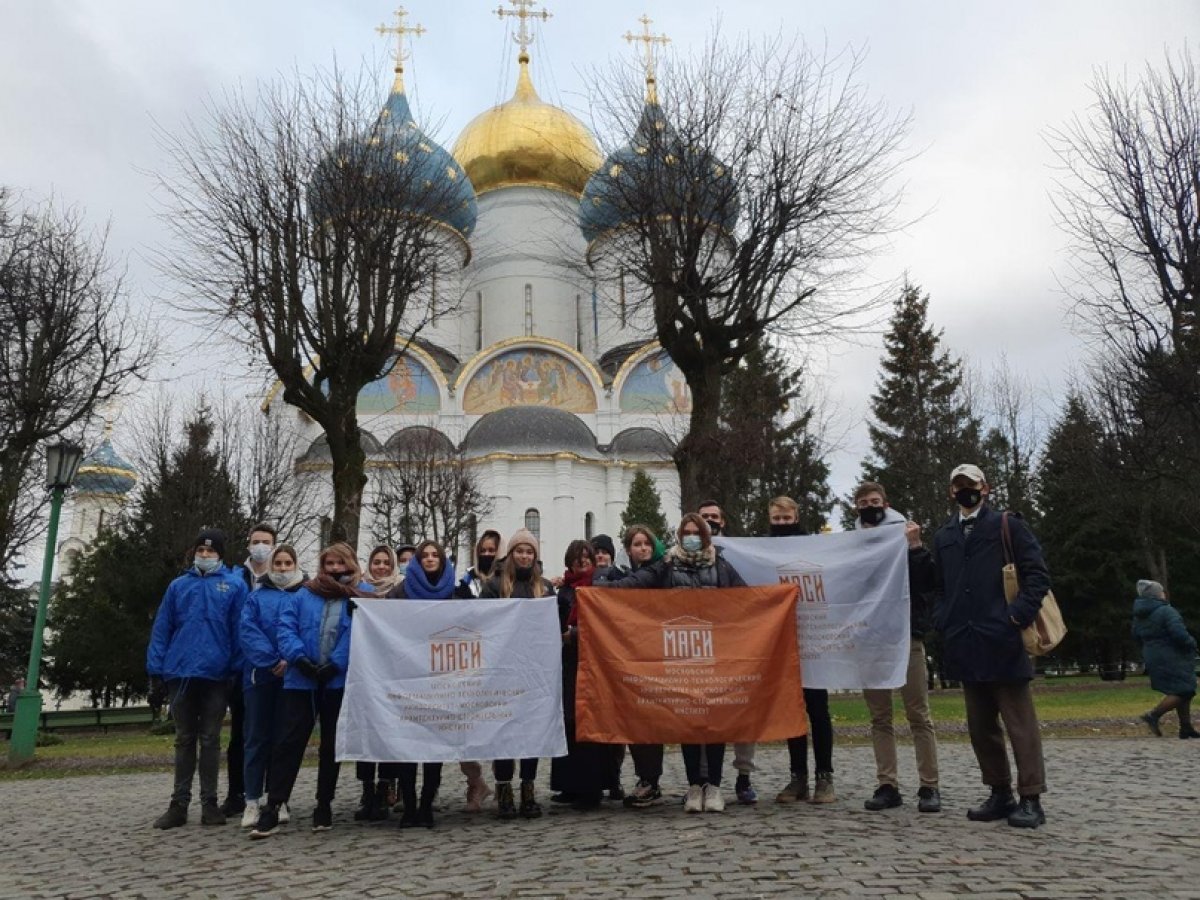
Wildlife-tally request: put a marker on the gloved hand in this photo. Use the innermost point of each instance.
(158, 691)
(326, 673)
(351, 606)
(306, 667)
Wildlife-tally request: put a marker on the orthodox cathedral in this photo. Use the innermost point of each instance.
(547, 377)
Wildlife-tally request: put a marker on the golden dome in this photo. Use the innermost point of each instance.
(527, 141)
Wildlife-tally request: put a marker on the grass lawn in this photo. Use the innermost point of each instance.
(1081, 706)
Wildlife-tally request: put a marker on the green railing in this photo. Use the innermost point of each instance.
(53, 720)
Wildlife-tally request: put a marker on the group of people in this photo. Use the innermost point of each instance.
(273, 644)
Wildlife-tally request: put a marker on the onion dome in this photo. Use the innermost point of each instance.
(429, 182)
(527, 142)
(105, 472)
(656, 176)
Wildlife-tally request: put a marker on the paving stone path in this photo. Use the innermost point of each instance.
(1124, 821)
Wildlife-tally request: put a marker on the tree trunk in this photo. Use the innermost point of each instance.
(348, 476)
(698, 457)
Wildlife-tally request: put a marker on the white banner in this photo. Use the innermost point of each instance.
(451, 680)
(852, 615)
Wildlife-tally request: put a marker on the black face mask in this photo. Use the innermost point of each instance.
(524, 573)
(872, 515)
(483, 564)
(714, 527)
(968, 497)
(786, 529)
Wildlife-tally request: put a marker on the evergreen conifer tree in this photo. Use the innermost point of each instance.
(101, 618)
(923, 426)
(644, 507)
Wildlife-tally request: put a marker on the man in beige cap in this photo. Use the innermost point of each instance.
(982, 646)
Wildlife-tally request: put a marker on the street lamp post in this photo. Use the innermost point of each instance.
(62, 461)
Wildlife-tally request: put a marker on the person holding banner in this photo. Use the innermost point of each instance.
(983, 648)
(314, 639)
(870, 502)
(428, 576)
(383, 575)
(264, 669)
(518, 577)
(784, 514)
(643, 548)
(693, 562)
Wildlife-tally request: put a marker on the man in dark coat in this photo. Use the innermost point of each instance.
(982, 647)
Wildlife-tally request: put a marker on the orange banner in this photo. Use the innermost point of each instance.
(691, 666)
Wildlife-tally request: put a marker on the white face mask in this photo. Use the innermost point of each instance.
(691, 542)
(206, 564)
(285, 580)
(260, 553)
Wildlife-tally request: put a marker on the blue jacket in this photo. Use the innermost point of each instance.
(195, 633)
(1168, 650)
(979, 639)
(300, 621)
(259, 632)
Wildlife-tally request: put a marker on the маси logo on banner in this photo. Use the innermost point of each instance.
(688, 641)
(807, 577)
(455, 651)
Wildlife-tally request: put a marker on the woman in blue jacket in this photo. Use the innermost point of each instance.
(263, 669)
(429, 575)
(314, 639)
(1170, 656)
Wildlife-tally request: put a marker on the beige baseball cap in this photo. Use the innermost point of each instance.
(966, 470)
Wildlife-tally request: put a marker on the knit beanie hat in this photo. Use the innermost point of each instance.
(1146, 588)
(524, 536)
(213, 539)
(605, 543)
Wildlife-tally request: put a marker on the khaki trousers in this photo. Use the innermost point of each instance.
(1011, 701)
(915, 695)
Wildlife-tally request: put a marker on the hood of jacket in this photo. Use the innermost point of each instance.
(1144, 606)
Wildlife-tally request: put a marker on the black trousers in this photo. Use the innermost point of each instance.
(647, 762)
(368, 771)
(502, 769)
(298, 713)
(407, 775)
(820, 725)
(198, 707)
(235, 753)
(714, 757)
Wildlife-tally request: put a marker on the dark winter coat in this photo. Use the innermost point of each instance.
(673, 572)
(520, 590)
(195, 633)
(981, 641)
(1167, 649)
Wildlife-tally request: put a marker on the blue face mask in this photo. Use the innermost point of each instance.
(691, 543)
(206, 564)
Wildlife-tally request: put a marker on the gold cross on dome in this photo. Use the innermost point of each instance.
(401, 31)
(523, 12)
(648, 41)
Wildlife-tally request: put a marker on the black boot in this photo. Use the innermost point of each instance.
(1028, 813)
(411, 816)
(530, 808)
(380, 810)
(998, 806)
(505, 808)
(425, 813)
(174, 817)
(366, 804)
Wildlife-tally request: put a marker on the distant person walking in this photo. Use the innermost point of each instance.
(1169, 653)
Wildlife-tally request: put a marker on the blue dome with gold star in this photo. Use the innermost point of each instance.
(104, 472)
(400, 167)
(656, 176)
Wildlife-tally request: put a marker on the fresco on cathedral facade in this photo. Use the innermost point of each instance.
(409, 388)
(529, 376)
(656, 386)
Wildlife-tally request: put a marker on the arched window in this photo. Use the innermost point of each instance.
(533, 522)
(589, 526)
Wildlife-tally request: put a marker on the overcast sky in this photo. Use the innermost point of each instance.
(85, 81)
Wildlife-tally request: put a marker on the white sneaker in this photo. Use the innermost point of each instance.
(713, 801)
(250, 815)
(694, 801)
(284, 815)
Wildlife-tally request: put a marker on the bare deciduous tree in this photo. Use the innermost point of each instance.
(746, 190)
(67, 346)
(426, 489)
(316, 228)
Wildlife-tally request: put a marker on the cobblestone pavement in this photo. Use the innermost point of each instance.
(1123, 822)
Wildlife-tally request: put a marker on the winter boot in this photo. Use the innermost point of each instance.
(366, 806)
(530, 808)
(174, 817)
(408, 793)
(211, 814)
(380, 810)
(425, 812)
(505, 808)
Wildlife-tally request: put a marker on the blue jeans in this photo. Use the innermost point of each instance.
(262, 698)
